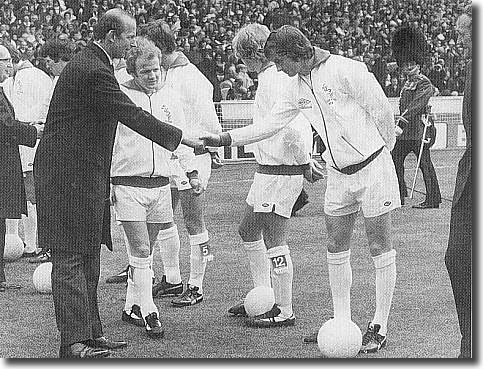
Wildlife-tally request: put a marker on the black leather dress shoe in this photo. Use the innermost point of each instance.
(106, 343)
(425, 205)
(82, 351)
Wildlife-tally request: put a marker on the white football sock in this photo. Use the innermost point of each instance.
(30, 228)
(131, 295)
(385, 282)
(282, 278)
(340, 280)
(169, 245)
(259, 264)
(142, 276)
(197, 262)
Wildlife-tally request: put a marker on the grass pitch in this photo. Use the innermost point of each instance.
(422, 324)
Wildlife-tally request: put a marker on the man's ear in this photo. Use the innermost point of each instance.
(110, 36)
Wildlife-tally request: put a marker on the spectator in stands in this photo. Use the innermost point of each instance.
(394, 88)
(237, 92)
(356, 29)
(242, 73)
(207, 66)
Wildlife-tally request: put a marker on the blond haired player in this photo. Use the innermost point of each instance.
(282, 161)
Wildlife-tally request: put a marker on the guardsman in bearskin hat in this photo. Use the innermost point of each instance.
(410, 51)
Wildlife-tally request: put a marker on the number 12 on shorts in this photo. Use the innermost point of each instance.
(206, 252)
(279, 264)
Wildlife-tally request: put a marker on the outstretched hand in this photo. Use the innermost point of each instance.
(195, 143)
(211, 139)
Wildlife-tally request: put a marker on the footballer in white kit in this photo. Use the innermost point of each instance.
(196, 93)
(350, 112)
(140, 189)
(283, 160)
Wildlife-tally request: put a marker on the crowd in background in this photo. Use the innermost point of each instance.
(357, 29)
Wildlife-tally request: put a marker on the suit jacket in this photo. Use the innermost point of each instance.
(12, 134)
(73, 159)
(464, 175)
(415, 96)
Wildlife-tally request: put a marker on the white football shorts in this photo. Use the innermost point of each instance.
(139, 204)
(374, 189)
(274, 193)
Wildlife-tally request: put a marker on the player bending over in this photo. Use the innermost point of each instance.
(282, 161)
(350, 112)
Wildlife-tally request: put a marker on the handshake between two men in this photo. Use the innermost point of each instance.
(313, 173)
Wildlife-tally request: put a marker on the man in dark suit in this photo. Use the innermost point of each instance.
(458, 254)
(13, 202)
(72, 167)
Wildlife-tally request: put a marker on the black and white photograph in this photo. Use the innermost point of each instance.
(238, 180)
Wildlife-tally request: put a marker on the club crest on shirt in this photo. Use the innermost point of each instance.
(304, 103)
(329, 94)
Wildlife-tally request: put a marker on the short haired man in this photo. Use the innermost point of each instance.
(140, 189)
(349, 110)
(71, 169)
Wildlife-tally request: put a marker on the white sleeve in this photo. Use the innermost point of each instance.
(364, 88)
(299, 140)
(281, 114)
(184, 153)
(202, 103)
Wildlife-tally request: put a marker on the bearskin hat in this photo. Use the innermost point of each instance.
(409, 44)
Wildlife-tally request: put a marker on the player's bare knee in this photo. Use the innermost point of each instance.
(379, 243)
(141, 251)
(379, 248)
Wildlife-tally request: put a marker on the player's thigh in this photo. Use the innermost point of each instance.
(275, 229)
(379, 233)
(137, 237)
(250, 228)
(339, 231)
